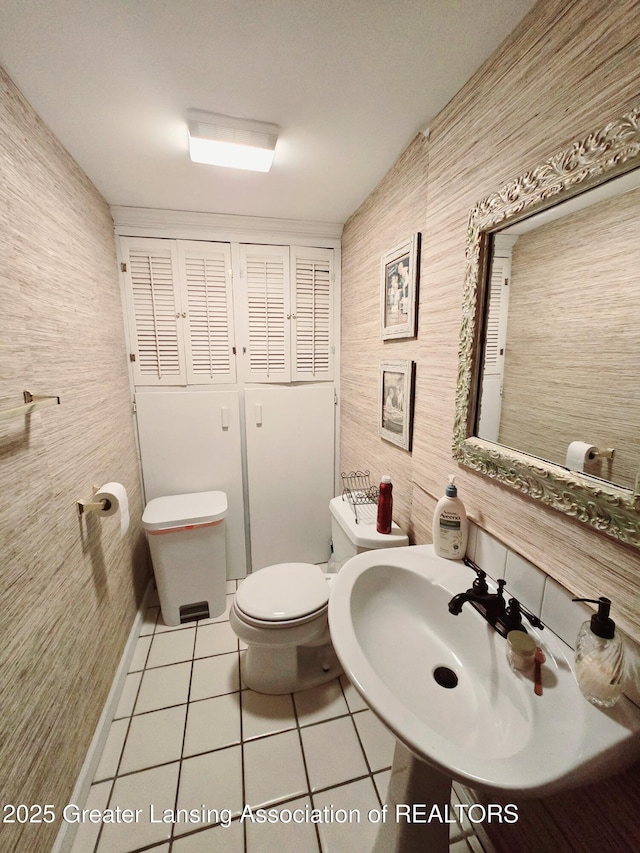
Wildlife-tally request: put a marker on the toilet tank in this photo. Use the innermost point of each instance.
(351, 537)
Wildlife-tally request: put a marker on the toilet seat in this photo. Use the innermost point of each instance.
(283, 595)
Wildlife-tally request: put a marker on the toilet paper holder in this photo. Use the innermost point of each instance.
(596, 453)
(93, 506)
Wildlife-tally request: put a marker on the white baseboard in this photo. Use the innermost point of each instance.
(66, 833)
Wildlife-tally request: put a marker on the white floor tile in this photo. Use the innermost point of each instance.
(171, 647)
(283, 836)
(381, 781)
(354, 699)
(200, 700)
(266, 715)
(222, 617)
(332, 753)
(108, 766)
(163, 628)
(216, 638)
(139, 659)
(285, 777)
(154, 738)
(215, 781)
(128, 696)
(155, 788)
(357, 831)
(214, 676)
(377, 740)
(87, 832)
(320, 703)
(163, 687)
(212, 724)
(219, 839)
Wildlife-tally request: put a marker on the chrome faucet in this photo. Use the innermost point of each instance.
(491, 605)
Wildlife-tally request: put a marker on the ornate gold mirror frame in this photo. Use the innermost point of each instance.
(610, 509)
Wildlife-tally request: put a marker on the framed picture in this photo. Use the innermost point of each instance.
(395, 401)
(399, 273)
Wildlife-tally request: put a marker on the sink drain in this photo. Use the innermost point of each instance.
(445, 677)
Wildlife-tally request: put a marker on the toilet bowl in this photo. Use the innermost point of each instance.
(280, 612)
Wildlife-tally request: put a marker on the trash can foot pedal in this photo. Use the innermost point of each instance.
(191, 612)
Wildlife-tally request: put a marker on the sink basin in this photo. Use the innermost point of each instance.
(443, 686)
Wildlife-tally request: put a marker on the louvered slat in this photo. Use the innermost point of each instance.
(152, 293)
(209, 314)
(492, 355)
(313, 314)
(266, 315)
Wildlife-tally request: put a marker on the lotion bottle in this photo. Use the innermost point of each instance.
(599, 657)
(450, 525)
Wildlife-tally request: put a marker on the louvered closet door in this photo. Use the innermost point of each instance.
(494, 354)
(497, 316)
(205, 275)
(156, 331)
(312, 313)
(265, 275)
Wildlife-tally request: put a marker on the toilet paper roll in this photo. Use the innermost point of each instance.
(116, 495)
(578, 453)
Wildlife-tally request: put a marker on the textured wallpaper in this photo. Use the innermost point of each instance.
(569, 68)
(69, 589)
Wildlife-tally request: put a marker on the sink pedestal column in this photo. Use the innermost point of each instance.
(415, 789)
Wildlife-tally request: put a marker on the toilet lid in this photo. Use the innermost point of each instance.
(283, 592)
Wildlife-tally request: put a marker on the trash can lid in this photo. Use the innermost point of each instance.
(182, 510)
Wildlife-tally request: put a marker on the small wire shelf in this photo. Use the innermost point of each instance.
(359, 493)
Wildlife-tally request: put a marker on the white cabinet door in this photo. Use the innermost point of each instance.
(206, 299)
(312, 314)
(494, 352)
(290, 462)
(156, 331)
(264, 271)
(180, 309)
(288, 313)
(190, 441)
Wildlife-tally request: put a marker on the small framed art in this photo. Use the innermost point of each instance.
(399, 274)
(395, 401)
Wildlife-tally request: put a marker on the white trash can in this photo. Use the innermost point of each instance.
(187, 542)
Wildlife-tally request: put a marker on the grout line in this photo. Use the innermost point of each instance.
(364, 751)
(124, 743)
(310, 793)
(184, 737)
(244, 784)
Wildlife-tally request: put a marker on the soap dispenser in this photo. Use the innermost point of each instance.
(599, 657)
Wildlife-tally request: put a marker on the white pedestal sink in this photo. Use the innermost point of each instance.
(443, 686)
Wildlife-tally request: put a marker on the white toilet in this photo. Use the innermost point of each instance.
(280, 612)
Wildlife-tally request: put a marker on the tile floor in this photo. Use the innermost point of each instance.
(189, 749)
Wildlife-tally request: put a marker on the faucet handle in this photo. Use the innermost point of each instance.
(513, 616)
(480, 583)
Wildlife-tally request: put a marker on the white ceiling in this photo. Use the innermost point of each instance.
(350, 82)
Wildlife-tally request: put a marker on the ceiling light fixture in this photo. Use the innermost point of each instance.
(237, 143)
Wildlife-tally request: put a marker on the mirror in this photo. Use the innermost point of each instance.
(548, 400)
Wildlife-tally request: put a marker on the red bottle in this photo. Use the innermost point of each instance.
(385, 505)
